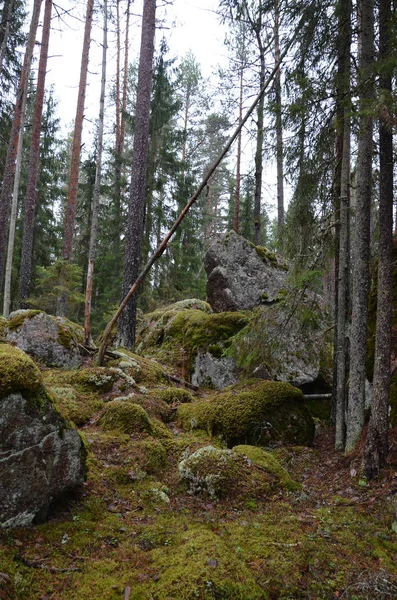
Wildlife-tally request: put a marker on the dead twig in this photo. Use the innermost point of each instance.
(37, 565)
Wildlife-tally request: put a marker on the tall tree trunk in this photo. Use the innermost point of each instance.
(5, 29)
(134, 233)
(238, 168)
(97, 184)
(25, 274)
(70, 212)
(279, 123)
(358, 335)
(9, 171)
(125, 82)
(376, 445)
(343, 294)
(342, 218)
(259, 151)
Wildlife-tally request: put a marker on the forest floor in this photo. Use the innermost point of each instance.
(134, 538)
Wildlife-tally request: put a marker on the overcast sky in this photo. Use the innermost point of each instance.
(187, 24)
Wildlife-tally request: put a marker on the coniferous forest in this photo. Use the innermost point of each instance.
(198, 383)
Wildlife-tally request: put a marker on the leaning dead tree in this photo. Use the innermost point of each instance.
(162, 247)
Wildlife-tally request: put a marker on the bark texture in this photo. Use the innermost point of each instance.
(279, 122)
(134, 234)
(376, 445)
(361, 247)
(97, 184)
(25, 275)
(9, 171)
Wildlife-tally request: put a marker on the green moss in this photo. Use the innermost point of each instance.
(319, 409)
(126, 417)
(98, 379)
(69, 333)
(75, 407)
(174, 395)
(269, 463)
(154, 455)
(253, 412)
(175, 337)
(18, 373)
(19, 319)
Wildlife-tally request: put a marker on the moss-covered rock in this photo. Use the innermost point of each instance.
(174, 395)
(268, 462)
(78, 408)
(125, 416)
(153, 455)
(227, 473)
(142, 370)
(175, 337)
(54, 341)
(18, 373)
(253, 412)
(97, 379)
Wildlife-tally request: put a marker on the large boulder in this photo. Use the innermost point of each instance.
(41, 456)
(54, 341)
(241, 275)
(254, 412)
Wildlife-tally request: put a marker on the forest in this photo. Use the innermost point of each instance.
(197, 278)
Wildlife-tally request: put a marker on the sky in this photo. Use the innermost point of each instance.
(186, 24)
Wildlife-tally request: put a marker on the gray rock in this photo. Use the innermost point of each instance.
(210, 371)
(240, 275)
(52, 340)
(41, 458)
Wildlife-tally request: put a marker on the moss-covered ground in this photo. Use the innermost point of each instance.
(135, 532)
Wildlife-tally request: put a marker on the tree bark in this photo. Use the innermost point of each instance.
(376, 444)
(343, 294)
(358, 336)
(97, 184)
(259, 148)
(238, 168)
(25, 274)
(279, 122)
(71, 205)
(134, 234)
(9, 171)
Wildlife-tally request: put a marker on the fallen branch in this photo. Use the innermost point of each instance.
(182, 382)
(162, 247)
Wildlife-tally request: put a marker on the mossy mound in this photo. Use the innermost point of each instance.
(221, 473)
(156, 408)
(152, 455)
(76, 407)
(97, 379)
(268, 462)
(18, 373)
(254, 412)
(176, 336)
(142, 370)
(125, 416)
(174, 395)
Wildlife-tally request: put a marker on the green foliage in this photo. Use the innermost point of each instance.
(59, 278)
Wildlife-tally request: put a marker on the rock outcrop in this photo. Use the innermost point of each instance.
(52, 340)
(241, 275)
(41, 456)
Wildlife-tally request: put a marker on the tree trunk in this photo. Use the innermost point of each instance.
(9, 171)
(97, 184)
(25, 274)
(259, 152)
(5, 29)
(279, 123)
(70, 212)
(343, 294)
(238, 169)
(342, 218)
(134, 233)
(125, 83)
(358, 336)
(376, 445)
